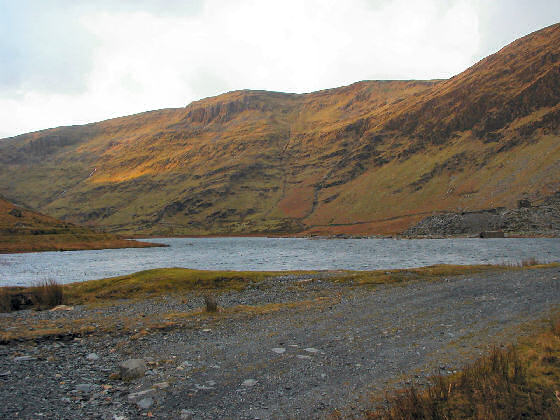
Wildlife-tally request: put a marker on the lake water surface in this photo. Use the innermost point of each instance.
(271, 254)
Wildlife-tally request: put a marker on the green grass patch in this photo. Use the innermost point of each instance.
(161, 281)
(433, 272)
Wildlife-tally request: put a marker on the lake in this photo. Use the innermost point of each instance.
(265, 254)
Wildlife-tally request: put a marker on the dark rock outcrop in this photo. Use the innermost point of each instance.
(543, 219)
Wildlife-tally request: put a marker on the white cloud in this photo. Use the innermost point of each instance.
(142, 60)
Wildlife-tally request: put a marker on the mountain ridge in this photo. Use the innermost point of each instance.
(370, 157)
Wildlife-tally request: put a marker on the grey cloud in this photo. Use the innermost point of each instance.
(44, 48)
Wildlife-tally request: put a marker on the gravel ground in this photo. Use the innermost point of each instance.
(307, 360)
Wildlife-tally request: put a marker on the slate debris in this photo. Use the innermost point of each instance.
(333, 354)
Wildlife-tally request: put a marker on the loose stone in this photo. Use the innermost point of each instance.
(24, 359)
(249, 382)
(145, 403)
(132, 369)
(85, 387)
(138, 394)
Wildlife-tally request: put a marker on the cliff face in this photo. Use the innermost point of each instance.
(372, 157)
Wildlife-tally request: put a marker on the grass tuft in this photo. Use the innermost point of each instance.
(211, 304)
(5, 301)
(520, 381)
(48, 294)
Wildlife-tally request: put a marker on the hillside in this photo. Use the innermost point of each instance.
(372, 157)
(23, 230)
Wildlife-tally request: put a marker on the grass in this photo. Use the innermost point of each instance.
(45, 294)
(175, 281)
(23, 230)
(161, 281)
(428, 273)
(48, 294)
(5, 301)
(521, 381)
(15, 243)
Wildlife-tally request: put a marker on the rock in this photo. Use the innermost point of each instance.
(92, 356)
(279, 350)
(145, 403)
(311, 350)
(24, 359)
(85, 387)
(249, 382)
(136, 395)
(7, 373)
(161, 385)
(186, 414)
(132, 369)
(62, 308)
(303, 356)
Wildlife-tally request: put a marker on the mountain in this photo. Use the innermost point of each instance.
(372, 157)
(23, 230)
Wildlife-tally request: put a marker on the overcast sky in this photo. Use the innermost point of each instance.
(68, 62)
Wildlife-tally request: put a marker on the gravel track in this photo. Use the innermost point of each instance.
(304, 361)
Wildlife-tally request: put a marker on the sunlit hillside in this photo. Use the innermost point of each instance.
(372, 157)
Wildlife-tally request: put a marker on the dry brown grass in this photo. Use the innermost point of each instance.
(48, 294)
(520, 381)
(211, 304)
(5, 301)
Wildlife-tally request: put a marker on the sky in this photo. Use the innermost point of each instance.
(65, 62)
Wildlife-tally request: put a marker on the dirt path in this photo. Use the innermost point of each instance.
(303, 361)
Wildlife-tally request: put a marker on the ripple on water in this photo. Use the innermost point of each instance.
(271, 254)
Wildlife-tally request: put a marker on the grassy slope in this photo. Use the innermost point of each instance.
(23, 230)
(372, 157)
